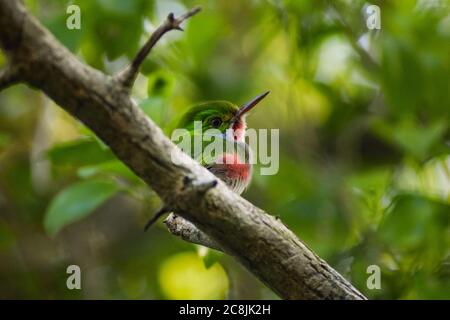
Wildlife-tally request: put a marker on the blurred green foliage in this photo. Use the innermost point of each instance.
(364, 121)
(77, 201)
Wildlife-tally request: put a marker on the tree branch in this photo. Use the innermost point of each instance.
(189, 232)
(257, 240)
(129, 74)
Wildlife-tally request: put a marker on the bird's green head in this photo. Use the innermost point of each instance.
(220, 115)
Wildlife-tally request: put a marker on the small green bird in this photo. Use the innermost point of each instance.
(230, 121)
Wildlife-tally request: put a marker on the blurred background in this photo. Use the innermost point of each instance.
(364, 173)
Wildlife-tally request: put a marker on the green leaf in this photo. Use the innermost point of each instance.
(211, 258)
(79, 153)
(76, 202)
(114, 167)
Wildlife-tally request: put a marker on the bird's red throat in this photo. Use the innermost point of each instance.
(235, 168)
(238, 128)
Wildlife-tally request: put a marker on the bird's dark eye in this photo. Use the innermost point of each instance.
(216, 122)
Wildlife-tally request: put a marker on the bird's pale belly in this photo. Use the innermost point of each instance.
(234, 173)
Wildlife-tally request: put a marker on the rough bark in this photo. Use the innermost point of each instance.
(257, 240)
(187, 231)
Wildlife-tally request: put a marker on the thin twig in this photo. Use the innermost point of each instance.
(365, 56)
(129, 74)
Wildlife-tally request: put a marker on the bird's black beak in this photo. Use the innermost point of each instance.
(248, 106)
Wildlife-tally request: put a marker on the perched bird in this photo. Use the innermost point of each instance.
(230, 120)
